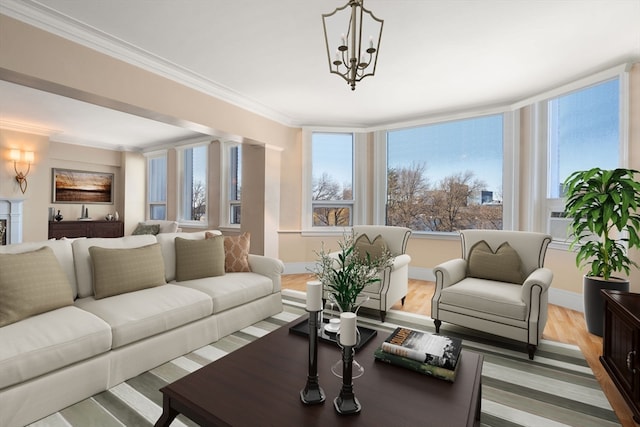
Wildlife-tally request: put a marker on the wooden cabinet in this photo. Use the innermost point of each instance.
(72, 229)
(621, 345)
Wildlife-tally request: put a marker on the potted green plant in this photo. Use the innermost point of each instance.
(345, 273)
(602, 206)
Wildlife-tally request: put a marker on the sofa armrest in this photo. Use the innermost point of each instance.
(267, 266)
(536, 284)
(450, 272)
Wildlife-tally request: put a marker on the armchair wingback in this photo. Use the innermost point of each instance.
(394, 281)
(472, 291)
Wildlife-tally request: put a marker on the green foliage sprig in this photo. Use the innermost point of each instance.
(603, 203)
(346, 273)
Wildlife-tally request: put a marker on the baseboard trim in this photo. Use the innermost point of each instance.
(567, 299)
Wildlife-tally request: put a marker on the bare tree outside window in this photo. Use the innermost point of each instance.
(198, 201)
(332, 173)
(437, 176)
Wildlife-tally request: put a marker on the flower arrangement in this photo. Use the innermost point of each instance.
(347, 272)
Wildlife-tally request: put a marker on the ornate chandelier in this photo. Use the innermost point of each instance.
(350, 59)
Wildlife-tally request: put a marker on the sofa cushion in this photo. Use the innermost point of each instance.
(31, 283)
(487, 296)
(167, 243)
(141, 314)
(50, 341)
(116, 271)
(374, 248)
(503, 265)
(82, 258)
(236, 253)
(232, 289)
(143, 228)
(196, 259)
(62, 250)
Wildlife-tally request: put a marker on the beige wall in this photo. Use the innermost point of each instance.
(48, 155)
(42, 60)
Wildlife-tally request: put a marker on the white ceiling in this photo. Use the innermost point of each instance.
(436, 57)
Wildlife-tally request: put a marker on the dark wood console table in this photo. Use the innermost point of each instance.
(73, 229)
(621, 345)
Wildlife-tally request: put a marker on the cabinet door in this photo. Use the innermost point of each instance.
(70, 229)
(106, 229)
(622, 357)
(636, 367)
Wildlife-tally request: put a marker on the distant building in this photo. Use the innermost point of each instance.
(486, 197)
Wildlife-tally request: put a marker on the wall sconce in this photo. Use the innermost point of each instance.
(25, 157)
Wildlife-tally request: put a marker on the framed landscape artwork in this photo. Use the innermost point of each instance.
(74, 186)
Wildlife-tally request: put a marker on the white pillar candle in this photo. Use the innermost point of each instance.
(348, 329)
(314, 296)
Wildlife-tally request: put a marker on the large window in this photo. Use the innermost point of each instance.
(332, 179)
(193, 183)
(157, 186)
(583, 132)
(235, 183)
(447, 176)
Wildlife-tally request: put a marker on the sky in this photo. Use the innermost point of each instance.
(584, 133)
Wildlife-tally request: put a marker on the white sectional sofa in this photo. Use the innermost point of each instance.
(51, 360)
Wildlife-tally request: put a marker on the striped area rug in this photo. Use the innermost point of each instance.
(556, 389)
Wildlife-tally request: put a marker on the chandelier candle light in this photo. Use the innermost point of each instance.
(312, 393)
(351, 60)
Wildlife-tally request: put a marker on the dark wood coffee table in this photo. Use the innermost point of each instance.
(260, 384)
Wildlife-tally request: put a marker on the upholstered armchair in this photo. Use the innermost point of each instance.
(499, 286)
(394, 280)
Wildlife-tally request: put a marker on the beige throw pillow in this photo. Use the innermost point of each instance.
(196, 259)
(374, 248)
(236, 253)
(31, 283)
(503, 265)
(118, 271)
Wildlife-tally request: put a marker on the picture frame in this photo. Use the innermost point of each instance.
(78, 186)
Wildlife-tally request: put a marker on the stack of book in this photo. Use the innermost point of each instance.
(429, 354)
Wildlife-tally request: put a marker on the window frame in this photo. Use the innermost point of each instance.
(510, 164)
(180, 150)
(541, 218)
(359, 169)
(149, 203)
(226, 179)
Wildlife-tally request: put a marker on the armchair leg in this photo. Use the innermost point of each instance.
(531, 349)
(383, 315)
(437, 323)
(402, 300)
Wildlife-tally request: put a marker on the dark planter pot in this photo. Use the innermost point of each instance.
(594, 303)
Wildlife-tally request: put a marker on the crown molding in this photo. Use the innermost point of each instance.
(27, 128)
(45, 18)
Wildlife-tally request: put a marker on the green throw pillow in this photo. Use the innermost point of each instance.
(374, 248)
(31, 283)
(503, 265)
(146, 229)
(121, 270)
(196, 259)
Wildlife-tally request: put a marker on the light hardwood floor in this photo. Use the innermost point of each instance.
(563, 325)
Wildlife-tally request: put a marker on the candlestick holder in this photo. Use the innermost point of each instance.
(357, 370)
(312, 394)
(346, 403)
